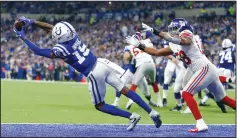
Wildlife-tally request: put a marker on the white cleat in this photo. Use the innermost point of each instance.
(129, 104)
(186, 111)
(200, 127)
(133, 120)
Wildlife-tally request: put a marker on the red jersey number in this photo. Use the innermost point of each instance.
(136, 51)
(184, 57)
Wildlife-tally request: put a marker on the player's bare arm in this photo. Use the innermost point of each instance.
(132, 40)
(45, 26)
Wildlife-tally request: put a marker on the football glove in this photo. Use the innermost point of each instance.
(132, 40)
(21, 33)
(148, 28)
(28, 22)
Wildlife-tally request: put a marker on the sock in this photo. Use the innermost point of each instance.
(192, 105)
(133, 88)
(204, 99)
(118, 94)
(222, 79)
(230, 102)
(155, 87)
(165, 90)
(137, 99)
(109, 109)
(177, 96)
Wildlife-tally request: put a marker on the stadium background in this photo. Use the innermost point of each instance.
(103, 27)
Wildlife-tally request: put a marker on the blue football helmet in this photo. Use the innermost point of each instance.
(177, 25)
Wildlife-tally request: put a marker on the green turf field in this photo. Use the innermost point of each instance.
(29, 102)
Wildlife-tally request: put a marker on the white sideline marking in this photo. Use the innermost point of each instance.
(41, 81)
(105, 124)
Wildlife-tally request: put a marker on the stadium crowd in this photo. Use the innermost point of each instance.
(104, 35)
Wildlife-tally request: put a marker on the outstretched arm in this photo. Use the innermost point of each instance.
(28, 22)
(46, 26)
(132, 40)
(176, 40)
(37, 50)
(158, 52)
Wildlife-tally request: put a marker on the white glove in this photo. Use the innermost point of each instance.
(146, 28)
(132, 40)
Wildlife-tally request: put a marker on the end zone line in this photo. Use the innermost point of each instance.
(100, 124)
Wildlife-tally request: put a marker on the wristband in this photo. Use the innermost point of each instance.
(142, 47)
(155, 31)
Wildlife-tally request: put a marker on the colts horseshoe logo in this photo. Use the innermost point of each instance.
(58, 31)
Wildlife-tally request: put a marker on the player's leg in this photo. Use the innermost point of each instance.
(199, 80)
(208, 95)
(97, 88)
(150, 70)
(143, 86)
(126, 78)
(219, 93)
(167, 78)
(180, 70)
(137, 77)
(117, 84)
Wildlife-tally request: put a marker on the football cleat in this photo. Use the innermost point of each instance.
(176, 108)
(129, 104)
(133, 120)
(203, 104)
(156, 118)
(164, 102)
(196, 130)
(200, 127)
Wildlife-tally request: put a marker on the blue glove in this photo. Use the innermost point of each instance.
(28, 22)
(21, 33)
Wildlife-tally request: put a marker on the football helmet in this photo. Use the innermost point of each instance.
(177, 25)
(226, 43)
(63, 32)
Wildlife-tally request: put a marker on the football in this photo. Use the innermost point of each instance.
(18, 25)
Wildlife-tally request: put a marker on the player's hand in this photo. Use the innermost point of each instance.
(28, 22)
(21, 33)
(146, 28)
(132, 40)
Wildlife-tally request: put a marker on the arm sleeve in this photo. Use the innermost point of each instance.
(37, 50)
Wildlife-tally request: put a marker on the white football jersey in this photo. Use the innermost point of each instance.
(139, 56)
(192, 55)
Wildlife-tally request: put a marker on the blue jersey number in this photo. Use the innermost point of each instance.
(226, 56)
(78, 45)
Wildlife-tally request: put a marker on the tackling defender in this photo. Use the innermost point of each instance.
(205, 74)
(73, 51)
